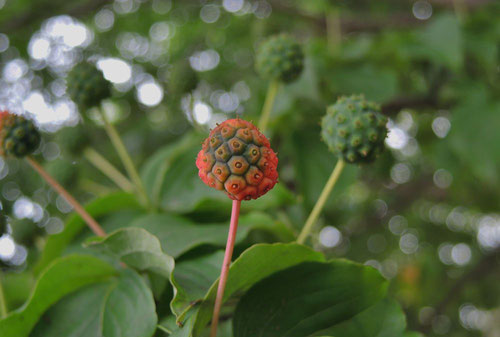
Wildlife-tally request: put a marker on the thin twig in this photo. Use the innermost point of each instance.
(485, 266)
(96, 159)
(125, 158)
(93, 225)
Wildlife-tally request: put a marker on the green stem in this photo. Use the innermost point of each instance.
(3, 304)
(311, 220)
(268, 104)
(125, 158)
(334, 33)
(96, 159)
(460, 10)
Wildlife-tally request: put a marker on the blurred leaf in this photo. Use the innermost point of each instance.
(441, 41)
(57, 243)
(314, 167)
(413, 334)
(17, 287)
(480, 150)
(376, 83)
(306, 299)
(120, 307)
(59, 279)
(178, 235)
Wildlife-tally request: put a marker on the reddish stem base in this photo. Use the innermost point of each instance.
(233, 227)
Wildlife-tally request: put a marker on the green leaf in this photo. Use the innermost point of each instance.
(193, 279)
(253, 265)
(306, 299)
(137, 248)
(141, 250)
(179, 235)
(384, 319)
(120, 307)
(59, 279)
(57, 243)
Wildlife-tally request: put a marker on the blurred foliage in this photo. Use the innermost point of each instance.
(426, 213)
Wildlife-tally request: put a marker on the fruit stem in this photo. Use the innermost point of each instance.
(96, 159)
(268, 104)
(311, 220)
(125, 158)
(233, 227)
(93, 225)
(3, 304)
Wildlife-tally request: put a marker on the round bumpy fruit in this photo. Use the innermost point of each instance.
(354, 129)
(18, 136)
(237, 158)
(280, 58)
(87, 87)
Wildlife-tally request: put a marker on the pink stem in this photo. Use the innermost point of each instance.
(233, 227)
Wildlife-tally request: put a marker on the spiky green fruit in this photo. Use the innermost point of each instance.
(238, 159)
(18, 135)
(354, 129)
(87, 87)
(183, 78)
(280, 58)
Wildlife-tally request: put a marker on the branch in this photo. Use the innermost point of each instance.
(486, 265)
(415, 102)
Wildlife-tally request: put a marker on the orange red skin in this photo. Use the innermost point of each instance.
(235, 169)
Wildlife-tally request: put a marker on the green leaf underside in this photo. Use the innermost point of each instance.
(62, 277)
(307, 299)
(57, 243)
(120, 307)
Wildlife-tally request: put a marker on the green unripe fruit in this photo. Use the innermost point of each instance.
(87, 87)
(18, 136)
(354, 129)
(182, 79)
(280, 58)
